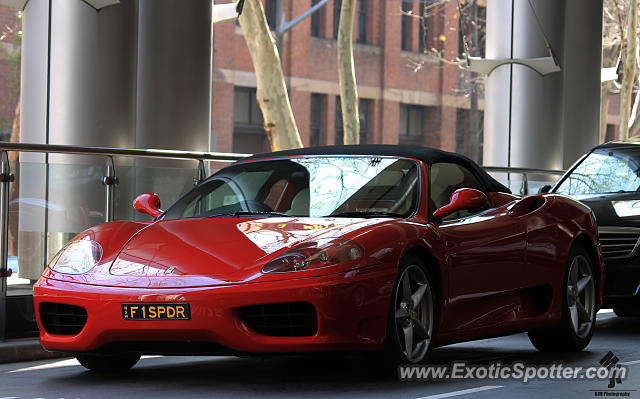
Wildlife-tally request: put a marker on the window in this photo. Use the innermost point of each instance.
(271, 12)
(337, 7)
(317, 19)
(473, 27)
(411, 124)
(318, 106)
(364, 109)
(361, 33)
(248, 132)
(339, 127)
(424, 31)
(445, 178)
(605, 170)
(610, 133)
(407, 24)
(313, 186)
(469, 133)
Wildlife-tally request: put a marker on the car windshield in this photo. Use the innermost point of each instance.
(605, 170)
(341, 186)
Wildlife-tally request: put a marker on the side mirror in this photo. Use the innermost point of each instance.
(148, 203)
(545, 189)
(463, 199)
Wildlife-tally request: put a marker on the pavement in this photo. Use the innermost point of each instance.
(336, 375)
(24, 350)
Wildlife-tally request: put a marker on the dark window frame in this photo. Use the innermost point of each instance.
(317, 19)
(407, 27)
(317, 119)
(271, 12)
(423, 39)
(254, 128)
(337, 7)
(362, 14)
(364, 107)
(407, 137)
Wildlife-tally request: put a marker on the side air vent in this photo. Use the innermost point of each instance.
(618, 242)
(61, 319)
(292, 319)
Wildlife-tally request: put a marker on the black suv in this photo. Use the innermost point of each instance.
(607, 179)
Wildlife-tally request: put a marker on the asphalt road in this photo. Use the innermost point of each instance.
(334, 375)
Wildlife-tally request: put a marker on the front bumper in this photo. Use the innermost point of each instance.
(352, 311)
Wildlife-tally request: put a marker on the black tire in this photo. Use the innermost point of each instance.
(626, 311)
(108, 363)
(575, 295)
(419, 320)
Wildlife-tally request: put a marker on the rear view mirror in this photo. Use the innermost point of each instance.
(148, 203)
(463, 199)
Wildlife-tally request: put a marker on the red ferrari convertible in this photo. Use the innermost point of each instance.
(352, 248)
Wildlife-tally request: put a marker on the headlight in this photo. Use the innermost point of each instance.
(317, 254)
(77, 257)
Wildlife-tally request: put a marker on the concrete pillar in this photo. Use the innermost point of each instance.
(542, 121)
(174, 74)
(132, 74)
(78, 85)
(173, 91)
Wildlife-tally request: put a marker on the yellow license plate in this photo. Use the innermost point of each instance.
(156, 311)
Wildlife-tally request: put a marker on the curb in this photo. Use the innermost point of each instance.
(25, 350)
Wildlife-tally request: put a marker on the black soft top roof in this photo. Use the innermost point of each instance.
(425, 154)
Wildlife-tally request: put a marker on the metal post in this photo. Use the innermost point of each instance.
(5, 179)
(109, 180)
(202, 173)
(524, 190)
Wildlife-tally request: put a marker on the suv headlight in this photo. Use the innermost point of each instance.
(316, 254)
(77, 257)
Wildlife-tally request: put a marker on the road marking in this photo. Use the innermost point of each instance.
(605, 311)
(463, 392)
(10, 397)
(62, 363)
(630, 363)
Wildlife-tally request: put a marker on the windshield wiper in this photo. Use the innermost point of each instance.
(238, 214)
(364, 214)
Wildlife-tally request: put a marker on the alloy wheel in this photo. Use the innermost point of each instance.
(414, 313)
(580, 296)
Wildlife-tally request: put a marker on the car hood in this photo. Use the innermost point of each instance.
(614, 209)
(218, 251)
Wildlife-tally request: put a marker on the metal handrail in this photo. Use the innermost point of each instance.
(525, 172)
(126, 152)
(529, 171)
(109, 180)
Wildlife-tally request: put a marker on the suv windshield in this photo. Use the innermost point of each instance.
(306, 186)
(605, 170)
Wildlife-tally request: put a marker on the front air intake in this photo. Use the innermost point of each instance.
(291, 319)
(61, 319)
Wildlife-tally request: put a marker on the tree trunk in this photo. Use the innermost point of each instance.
(347, 74)
(628, 67)
(279, 122)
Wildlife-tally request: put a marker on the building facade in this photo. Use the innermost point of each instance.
(408, 81)
(411, 87)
